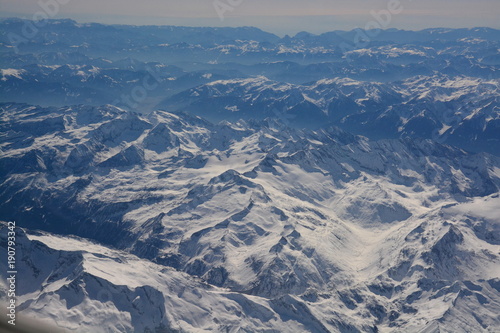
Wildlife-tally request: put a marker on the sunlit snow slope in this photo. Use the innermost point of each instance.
(173, 223)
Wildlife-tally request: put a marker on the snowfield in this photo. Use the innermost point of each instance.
(167, 222)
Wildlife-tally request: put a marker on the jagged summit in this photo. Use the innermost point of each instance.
(170, 221)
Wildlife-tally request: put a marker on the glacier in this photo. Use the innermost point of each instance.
(170, 223)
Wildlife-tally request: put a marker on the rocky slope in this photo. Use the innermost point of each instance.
(170, 222)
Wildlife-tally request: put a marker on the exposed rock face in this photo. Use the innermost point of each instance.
(269, 229)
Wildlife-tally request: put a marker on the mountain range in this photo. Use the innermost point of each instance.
(177, 179)
(439, 84)
(249, 226)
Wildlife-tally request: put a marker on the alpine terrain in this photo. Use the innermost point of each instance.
(229, 180)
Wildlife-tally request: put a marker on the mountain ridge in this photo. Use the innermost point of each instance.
(358, 235)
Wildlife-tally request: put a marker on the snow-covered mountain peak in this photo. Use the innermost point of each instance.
(372, 233)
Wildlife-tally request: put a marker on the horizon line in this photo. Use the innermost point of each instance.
(385, 29)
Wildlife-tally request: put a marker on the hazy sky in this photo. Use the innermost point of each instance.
(278, 16)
